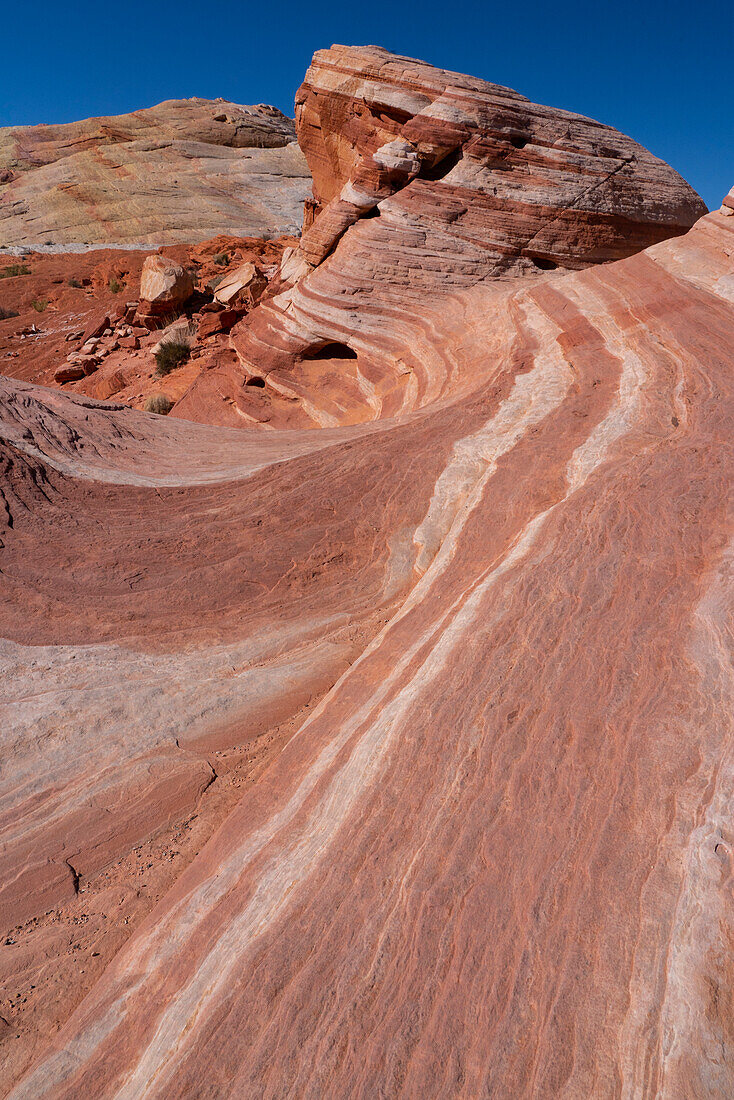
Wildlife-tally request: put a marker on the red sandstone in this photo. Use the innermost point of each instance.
(401, 735)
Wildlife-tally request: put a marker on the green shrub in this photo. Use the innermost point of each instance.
(13, 270)
(159, 403)
(114, 285)
(221, 258)
(74, 282)
(171, 355)
(5, 313)
(39, 304)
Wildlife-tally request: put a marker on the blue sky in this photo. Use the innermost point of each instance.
(661, 72)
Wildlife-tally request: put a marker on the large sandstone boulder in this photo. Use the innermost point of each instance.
(165, 286)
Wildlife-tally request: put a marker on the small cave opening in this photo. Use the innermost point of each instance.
(330, 351)
(255, 380)
(543, 264)
(438, 171)
(386, 113)
(519, 141)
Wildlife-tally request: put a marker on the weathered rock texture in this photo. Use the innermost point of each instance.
(496, 859)
(426, 181)
(165, 285)
(466, 651)
(182, 171)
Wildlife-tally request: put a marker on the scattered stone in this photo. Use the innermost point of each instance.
(244, 284)
(96, 327)
(71, 372)
(224, 321)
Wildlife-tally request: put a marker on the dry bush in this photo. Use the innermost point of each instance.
(171, 354)
(13, 270)
(159, 403)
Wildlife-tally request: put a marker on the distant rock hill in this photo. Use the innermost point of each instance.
(178, 172)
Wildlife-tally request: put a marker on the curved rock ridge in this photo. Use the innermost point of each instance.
(182, 171)
(427, 181)
(493, 855)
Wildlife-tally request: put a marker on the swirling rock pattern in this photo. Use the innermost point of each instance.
(493, 858)
(427, 181)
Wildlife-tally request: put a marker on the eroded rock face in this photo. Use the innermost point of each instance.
(184, 170)
(495, 860)
(391, 758)
(475, 165)
(426, 181)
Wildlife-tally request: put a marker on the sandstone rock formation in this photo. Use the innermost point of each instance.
(165, 285)
(495, 860)
(427, 181)
(182, 171)
(392, 758)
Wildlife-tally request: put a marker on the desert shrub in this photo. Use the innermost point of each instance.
(159, 403)
(171, 355)
(13, 270)
(5, 313)
(221, 258)
(74, 282)
(214, 283)
(39, 304)
(114, 285)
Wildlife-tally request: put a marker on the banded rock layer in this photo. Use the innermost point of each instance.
(495, 860)
(182, 171)
(427, 181)
(478, 626)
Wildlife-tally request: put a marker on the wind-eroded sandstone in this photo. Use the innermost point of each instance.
(496, 859)
(478, 623)
(184, 170)
(427, 181)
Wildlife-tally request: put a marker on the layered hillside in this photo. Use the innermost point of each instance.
(383, 746)
(184, 170)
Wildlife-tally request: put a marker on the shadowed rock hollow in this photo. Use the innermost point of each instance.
(440, 693)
